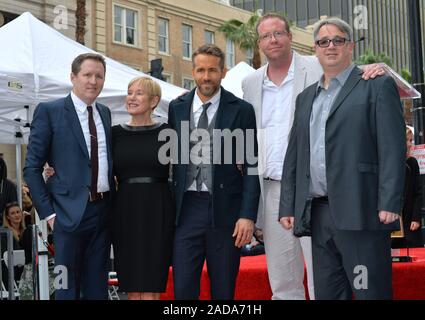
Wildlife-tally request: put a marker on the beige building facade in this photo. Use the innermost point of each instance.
(138, 31)
(135, 32)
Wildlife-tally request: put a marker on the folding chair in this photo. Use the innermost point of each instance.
(18, 261)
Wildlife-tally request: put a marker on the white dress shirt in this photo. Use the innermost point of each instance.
(197, 111)
(276, 109)
(83, 116)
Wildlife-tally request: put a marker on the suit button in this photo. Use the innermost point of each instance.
(221, 186)
(308, 176)
(175, 183)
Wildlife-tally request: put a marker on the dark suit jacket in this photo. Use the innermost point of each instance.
(56, 137)
(234, 195)
(365, 152)
(412, 207)
(412, 193)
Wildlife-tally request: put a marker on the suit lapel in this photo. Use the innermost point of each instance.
(74, 122)
(225, 114)
(183, 111)
(353, 79)
(182, 115)
(300, 77)
(257, 94)
(311, 94)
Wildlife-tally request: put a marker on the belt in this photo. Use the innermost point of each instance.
(98, 196)
(270, 179)
(322, 199)
(144, 180)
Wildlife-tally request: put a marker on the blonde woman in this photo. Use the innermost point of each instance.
(13, 219)
(143, 219)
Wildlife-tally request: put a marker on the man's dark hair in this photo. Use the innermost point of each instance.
(212, 50)
(78, 61)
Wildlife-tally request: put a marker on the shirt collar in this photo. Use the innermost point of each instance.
(197, 102)
(79, 104)
(289, 76)
(340, 78)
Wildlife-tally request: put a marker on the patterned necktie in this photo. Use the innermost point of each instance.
(202, 124)
(94, 159)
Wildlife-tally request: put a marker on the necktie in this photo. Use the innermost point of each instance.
(202, 124)
(203, 119)
(93, 152)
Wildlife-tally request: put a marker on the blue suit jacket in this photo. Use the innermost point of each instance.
(56, 137)
(234, 195)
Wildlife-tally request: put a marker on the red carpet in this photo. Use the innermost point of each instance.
(252, 283)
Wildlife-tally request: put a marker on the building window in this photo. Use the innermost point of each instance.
(249, 56)
(125, 25)
(167, 77)
(230, 54)
(163, 35)
(209, 37)
(187, 41)
(188, 83)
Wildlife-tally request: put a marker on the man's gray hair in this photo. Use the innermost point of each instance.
(337, 22)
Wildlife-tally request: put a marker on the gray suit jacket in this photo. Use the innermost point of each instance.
(307, 71)
(365, 153)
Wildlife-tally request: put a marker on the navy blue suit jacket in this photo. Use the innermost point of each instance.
(56, 137)
(234, 195)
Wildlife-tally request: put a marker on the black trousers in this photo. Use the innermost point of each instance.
(349, 264)
(195, 241)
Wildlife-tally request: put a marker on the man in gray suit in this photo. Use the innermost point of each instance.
(343, 173)
(272, 91)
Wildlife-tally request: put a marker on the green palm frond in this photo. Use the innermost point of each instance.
(243, 34)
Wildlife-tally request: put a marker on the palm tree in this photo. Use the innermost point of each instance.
(405, 73)
(80, 17)
(245, 35)
(369, 57)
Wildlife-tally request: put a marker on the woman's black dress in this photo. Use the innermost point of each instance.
(143, 221)
(411, 207)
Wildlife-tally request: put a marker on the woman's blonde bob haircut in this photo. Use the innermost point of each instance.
(148, 86)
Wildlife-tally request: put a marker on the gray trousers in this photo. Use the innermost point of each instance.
(349, 264)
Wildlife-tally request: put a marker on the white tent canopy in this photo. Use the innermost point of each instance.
(35, 66)
(233, 80)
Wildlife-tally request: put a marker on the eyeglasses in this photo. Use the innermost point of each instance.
(269, 35)
(337, 42)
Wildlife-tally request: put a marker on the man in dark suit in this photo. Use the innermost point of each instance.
(216, 187)
(73, 135)
(344, 171)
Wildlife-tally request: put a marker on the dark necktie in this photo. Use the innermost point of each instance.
(93, 152)
(203, 119)
(202, 124)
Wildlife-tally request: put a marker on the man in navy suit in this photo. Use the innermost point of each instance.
(73, 135)
(216, 187)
